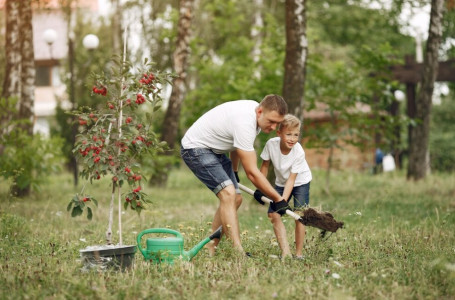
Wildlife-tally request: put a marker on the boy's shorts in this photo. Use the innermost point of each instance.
(214, 170)
(300, 194)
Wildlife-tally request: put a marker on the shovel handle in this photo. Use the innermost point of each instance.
(265, 199)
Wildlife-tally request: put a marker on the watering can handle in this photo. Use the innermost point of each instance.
(156, 230)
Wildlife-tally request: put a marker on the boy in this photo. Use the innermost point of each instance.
(293, 177)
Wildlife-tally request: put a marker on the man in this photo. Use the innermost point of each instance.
(232, 128)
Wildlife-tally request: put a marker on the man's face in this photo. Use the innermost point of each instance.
(268, 120)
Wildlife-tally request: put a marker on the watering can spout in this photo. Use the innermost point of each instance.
(215, 235)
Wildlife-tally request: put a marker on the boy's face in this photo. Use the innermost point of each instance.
(289, 137)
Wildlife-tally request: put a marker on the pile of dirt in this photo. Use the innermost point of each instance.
(322, 220)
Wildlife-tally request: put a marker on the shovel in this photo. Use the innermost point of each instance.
(311, 217)
(267, 200)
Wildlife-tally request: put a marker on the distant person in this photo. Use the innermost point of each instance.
(231, 127)
(378, 158)
(293, 177)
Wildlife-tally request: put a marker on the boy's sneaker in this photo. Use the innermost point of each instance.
(298, 257)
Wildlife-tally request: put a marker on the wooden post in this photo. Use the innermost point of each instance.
(410, 97)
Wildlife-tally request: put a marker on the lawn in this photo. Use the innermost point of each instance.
(398, 243)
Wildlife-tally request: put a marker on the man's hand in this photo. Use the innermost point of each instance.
(237, 176)
(280, 207)
(258, 195)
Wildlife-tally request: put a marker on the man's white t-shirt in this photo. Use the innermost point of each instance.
(224, 128)
(284, 165)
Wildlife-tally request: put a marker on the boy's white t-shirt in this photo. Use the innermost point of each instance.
(224, 128)
(284, 165)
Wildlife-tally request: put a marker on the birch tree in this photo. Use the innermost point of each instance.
(18, 84)
(296, 56)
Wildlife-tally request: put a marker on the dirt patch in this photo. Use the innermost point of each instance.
(319, 219)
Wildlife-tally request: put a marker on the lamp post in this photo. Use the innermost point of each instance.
(399, 95)
(50, 36)
(90, 42)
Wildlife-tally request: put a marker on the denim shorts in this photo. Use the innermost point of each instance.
(300, 194)
(214, 170)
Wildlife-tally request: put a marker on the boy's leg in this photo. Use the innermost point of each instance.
(301, 197)
(299, 238)
(280, 233)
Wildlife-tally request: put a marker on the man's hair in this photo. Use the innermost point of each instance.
(290, 121)
(274, 103)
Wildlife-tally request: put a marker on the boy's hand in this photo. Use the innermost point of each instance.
(280, 207)
(258, 195)
(237, 176)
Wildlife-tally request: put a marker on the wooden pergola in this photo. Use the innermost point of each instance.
(411, 73)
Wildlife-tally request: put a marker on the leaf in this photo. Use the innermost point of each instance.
(77, 211)
(89, 213)
(68, 208)
(94, 201)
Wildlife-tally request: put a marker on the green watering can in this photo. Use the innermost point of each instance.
(167, 249)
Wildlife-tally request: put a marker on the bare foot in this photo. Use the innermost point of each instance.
(211, 248)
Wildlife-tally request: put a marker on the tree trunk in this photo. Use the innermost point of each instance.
(256, 34)
(180, 58)
(28, 67)
(117, 26)
(296, 55)
(20, 72)
(11, 82)
(418, 159)
(181, 53)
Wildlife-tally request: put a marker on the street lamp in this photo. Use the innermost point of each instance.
(50, 36)
(90, 42)
(399, 95)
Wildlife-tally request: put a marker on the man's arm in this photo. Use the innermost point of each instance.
(249, 162)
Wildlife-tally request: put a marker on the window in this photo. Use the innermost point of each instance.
(43, 76)
(47, 76)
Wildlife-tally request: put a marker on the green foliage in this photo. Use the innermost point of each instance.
(362, 26)
(356, 100)
(442, 137)
(222, 64)
(27, 160)
(114, 135)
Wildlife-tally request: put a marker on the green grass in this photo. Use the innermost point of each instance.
(398, 243)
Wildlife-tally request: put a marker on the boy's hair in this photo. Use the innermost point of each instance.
(290, 121)
(274, 103)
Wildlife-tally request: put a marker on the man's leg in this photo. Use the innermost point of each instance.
(228, 215)
(280, 233)
(217, 222)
